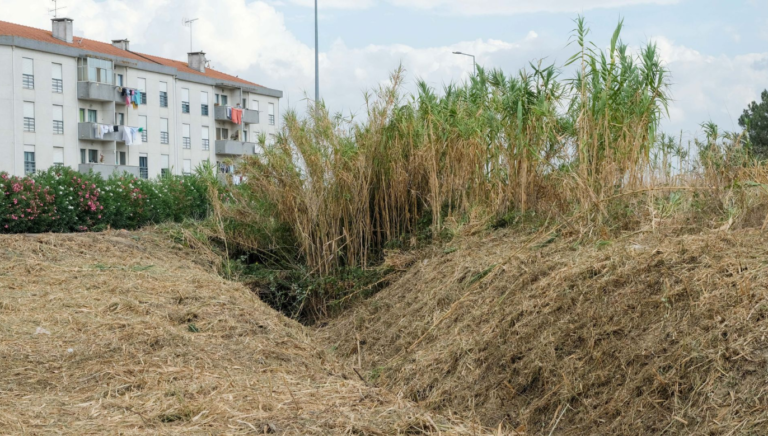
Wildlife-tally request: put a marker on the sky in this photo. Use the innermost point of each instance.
(716, 50)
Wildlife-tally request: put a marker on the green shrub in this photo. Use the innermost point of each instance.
(63, 200)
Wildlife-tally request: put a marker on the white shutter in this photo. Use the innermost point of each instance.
(185, 130)
(203, 97)
(205, 132)
(58, 113)
(142, 85)
(185, 94)
(164, 161)
(143, 121)
(254, 105)
(28, 66)
(164, 124)
(163, 87)
(187, 166)
(29, 109)
(56, 72)
(58, 155)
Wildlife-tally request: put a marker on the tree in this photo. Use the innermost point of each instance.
(755, 121)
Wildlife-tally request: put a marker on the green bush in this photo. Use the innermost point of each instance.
(63, 200)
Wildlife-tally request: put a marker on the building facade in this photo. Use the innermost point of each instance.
(63, 102)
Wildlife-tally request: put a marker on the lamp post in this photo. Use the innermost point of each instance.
(474, 64)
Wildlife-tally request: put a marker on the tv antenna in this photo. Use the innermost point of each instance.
(188, 23)
(56, 9)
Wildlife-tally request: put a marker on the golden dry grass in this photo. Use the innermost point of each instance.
(127, 333)
(647, 334)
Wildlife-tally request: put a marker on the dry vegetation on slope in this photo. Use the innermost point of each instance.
(122, 333)
(645, 335)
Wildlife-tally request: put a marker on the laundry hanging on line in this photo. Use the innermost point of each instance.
(237, 115)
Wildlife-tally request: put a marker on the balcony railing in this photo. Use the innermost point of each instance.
(163, 99)
(204, 110)
(28, 81)
(249, 116)
(144, 135)
(206, 145)
(143, 98)
(164, 137)
(235, 148)
(185, 107)
(144, 172)
(58, 127)
(99, 92)
(106, 170)
(57, 85)
(271, 120)
(186, 142)
(29, 124)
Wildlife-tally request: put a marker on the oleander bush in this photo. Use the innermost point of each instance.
(63, 200)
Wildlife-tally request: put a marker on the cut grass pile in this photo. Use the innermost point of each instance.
(126, 333)
(642, 335)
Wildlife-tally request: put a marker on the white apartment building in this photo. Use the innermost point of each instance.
(57, 90)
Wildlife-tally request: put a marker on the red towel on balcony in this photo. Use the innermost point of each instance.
(237, 115)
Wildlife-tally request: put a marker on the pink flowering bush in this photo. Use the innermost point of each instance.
(63, 200)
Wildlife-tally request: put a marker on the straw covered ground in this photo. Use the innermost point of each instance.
(127, 333)
(643, 335)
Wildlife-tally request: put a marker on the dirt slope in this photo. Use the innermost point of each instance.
(122, 333)
(645, 335)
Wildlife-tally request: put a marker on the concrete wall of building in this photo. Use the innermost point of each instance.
(12, 97)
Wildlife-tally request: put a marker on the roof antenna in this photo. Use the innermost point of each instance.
(56, 9)
(188, 23)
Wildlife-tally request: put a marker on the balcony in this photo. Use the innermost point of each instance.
(235, 148)
(249, 116)
(87, 132)
(98, 92)
(106, 170)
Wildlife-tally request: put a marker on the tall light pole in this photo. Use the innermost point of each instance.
(317, 61)
(474, 64)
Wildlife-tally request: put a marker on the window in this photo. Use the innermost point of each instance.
(206, 142)
(92, 115)
(119, 79)
(93, 156)
(186, 141)
(163, 94)
(58, 120)
(143, 126)
(143, 90)
(143, 166)
(187, 167)
(217, 99)
(82, 156)
(222, 133)
(245, 136)
(58, 155)
(119, 119)
(271, 114)
(28, 76)
(204, 103)
(184, 100)
(94, 70)
(29, 116)
(29, 159)
(224, 101)
(82, 116)
(120, 158)
(164, 130)
(245, 103)
(57, 75)
(164, 164)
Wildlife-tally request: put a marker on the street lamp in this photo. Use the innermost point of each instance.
(474, 64)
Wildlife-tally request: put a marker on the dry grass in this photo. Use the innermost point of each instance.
(648, 334)
(125, 333)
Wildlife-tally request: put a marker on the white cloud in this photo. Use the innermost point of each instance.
(486, 7)
(705, 87)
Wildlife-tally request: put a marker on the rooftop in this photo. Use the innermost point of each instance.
(18, 30)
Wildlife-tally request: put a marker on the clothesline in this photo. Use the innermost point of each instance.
(132, 97)
(129, 134)
(235, 114)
